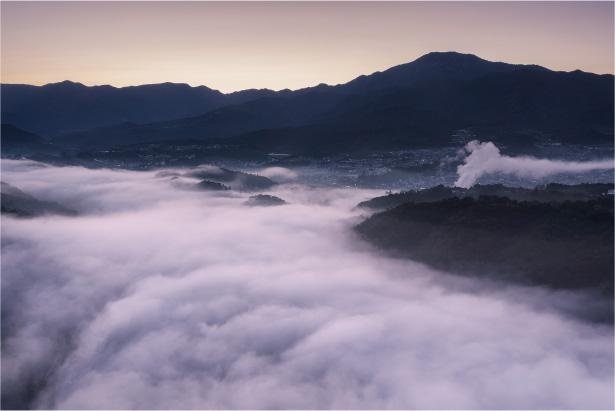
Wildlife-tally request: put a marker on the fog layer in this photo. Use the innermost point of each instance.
(485, 158)
(157, 297)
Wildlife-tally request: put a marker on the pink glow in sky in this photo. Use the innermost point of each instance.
(232, 46)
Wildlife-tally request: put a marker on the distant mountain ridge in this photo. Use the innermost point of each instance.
(16, 141)
(69, 106)
(434, 66)
(421, 103)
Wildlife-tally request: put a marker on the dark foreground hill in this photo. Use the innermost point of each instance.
(20, 204)
(221, 179)
(264, 200)
(552, 192)
(562, 245)
(236, 180)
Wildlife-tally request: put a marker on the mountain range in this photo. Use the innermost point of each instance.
(424, 103)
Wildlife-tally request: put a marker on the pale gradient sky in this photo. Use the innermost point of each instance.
(233, 46)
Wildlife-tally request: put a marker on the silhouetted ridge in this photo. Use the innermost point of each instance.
(69, 106)
(418, 104)
(433, 66)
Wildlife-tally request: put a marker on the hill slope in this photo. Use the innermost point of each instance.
(565, 245)
(68, 106)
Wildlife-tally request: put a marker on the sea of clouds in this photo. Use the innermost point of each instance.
(160, 297)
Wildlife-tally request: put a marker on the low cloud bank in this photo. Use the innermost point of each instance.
(279, 174)
(485, 158)
(157, 297)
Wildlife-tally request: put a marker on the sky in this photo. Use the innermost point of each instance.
(234, 45)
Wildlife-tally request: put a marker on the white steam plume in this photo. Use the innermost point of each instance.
(485, 158)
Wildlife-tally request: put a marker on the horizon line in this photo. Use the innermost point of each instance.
(193, 85)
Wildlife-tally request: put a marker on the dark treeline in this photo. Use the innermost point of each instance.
(559, 244)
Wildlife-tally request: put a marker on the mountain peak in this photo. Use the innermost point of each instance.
(447, 56)
(65, 83)
(466, 61)
(434, 66)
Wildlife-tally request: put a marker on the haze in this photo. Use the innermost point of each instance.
(233, 46)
